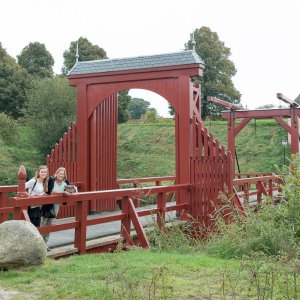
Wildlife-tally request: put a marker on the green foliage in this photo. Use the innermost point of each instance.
(123, 102)
(51, 110)
(258, 145)
(146, 149)
(151, 115)
(151, 274)
(137, 107)
(175, 236)
(265, 229)
(37, 60)
(14, 82)
(8, 129)
(268, 229)
(218, 72)
(87, 51)
(266, 106)
(21, 152)
(291, 189)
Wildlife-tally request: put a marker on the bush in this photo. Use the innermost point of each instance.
(266, 229)
(8, 129)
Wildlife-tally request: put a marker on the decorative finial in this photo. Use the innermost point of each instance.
(193, 41)
(77, 53)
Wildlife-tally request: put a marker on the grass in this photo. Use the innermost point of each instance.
(148, 149)
(151, 274)
(18, 153)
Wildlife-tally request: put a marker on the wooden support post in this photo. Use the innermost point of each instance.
(270, 188)
(3, 203)
(21, 192)
(294, 131)
(80, 231)
(231, 139)
(161, 205)
(259, 191)
(125, 223)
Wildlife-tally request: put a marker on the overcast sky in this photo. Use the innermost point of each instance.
(263, 35)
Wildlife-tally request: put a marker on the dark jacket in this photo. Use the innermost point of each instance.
(51, 184)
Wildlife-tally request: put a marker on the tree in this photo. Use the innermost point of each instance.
(151, 115)
(87, 51)
(266, 106)
(123, 101)
(37, 60)
(137, 107)
(218, 73)
(14, 82)
(51, 110)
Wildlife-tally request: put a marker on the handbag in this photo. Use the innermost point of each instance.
(48, 211)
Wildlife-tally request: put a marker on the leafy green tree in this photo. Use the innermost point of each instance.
(123, 102)
(218, 73)
(37, 60)
(266, 106)
(137, 107)
(87, 51)
(51, 110)
(152, 115)
(14, 82)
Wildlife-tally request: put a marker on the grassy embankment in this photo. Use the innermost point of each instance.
(146, 150)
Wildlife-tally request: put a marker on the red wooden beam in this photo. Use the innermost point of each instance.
(224, 103)
(287, 100)
(137, 225)
(262, 113)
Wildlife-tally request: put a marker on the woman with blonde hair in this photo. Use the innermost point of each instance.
(56, 185)
(36, 186)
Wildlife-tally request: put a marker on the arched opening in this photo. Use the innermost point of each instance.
(146, 145)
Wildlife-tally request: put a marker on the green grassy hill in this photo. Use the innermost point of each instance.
(148, 149)
(14, 155)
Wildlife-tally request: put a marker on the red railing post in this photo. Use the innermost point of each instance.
(80, 231)
(259, 191)
(21, 192)
(161, 205)
(3, 203)
(126, 222)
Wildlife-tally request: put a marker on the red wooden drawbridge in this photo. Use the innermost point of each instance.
(89, 149)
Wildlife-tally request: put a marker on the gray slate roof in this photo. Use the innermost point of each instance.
(135, 63)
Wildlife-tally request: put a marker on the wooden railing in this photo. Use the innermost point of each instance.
(5, 209)
(138, 182)
(244, 188)
(18, 205)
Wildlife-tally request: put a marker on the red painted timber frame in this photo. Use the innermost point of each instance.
(173, 83)
(277, 114)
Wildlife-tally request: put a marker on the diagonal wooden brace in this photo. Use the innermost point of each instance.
(137, 225)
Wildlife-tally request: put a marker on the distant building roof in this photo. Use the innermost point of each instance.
(135, 63)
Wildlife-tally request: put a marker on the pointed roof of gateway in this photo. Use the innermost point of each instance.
(186, 57)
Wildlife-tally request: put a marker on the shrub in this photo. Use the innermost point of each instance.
(266, 229)
(8, 128)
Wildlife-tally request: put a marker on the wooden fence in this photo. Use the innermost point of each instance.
(210, 172)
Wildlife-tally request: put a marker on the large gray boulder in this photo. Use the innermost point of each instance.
(21, 245)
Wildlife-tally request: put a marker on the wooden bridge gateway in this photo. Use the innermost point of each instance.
(88, 151)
